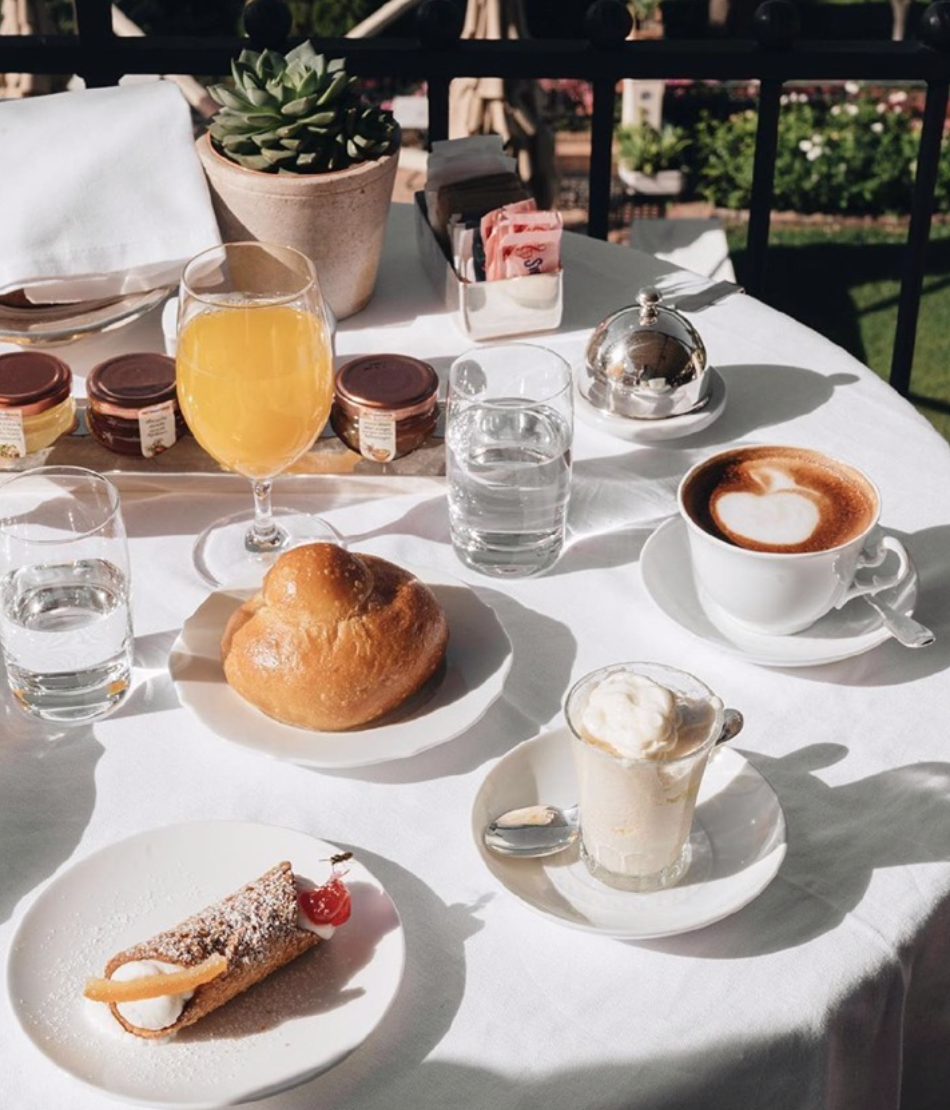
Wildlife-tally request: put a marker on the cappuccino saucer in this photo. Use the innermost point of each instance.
(651, 431)
(667, 572)
(738, 842)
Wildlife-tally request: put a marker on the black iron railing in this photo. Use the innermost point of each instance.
(436, 55)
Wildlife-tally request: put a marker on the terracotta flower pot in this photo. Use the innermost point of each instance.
(337, 219)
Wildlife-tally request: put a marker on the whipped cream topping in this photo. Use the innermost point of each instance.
(635, 716)
(151, 1013)
(782, 513)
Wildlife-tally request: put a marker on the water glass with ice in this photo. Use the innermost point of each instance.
(508, 436)
(65, 621)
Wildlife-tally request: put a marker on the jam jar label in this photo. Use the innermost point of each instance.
(12, 437)
(157, 428)
(378, 436)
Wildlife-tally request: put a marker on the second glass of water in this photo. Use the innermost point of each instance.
(65, 623)
(508, 457)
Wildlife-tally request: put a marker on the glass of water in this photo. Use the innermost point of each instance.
(508, 436)
(65, 620)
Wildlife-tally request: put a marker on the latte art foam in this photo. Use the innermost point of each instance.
(780, 499)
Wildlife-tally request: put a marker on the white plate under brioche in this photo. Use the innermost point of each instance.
(476, 664)
(334, 639)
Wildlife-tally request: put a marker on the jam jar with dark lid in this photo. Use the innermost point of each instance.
(133, 405)
(385, 406)
(36, 403)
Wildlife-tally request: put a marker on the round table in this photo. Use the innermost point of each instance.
(828, 990)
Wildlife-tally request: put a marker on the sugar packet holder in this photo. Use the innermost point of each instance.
(490, 309)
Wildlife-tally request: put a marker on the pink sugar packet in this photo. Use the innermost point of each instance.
(518, 223)
(522, 254)
(492, 218)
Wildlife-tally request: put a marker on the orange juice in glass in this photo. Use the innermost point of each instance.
(255, 384)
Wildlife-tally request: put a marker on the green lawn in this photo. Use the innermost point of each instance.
(844, 283)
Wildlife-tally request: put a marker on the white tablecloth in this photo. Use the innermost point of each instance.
(829, 990)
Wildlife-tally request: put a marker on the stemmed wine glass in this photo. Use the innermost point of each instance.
(255, 384)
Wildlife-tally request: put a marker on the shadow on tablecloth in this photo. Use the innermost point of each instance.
(837, 837)
(760, 396)
(47, 796)
(543, 653)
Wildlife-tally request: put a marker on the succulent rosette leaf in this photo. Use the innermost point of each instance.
(297, 113)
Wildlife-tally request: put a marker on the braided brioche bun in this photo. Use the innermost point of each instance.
(334, 640)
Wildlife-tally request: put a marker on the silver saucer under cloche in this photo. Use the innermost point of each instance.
(646, 377)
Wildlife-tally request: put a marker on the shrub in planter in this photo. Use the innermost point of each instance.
(651, 160)
(852, 156)
(295, 157)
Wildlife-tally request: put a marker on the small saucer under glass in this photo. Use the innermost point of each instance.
(737, 845)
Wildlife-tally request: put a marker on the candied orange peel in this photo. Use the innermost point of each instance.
(156, 986)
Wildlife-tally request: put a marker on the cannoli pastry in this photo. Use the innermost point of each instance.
(183, 974)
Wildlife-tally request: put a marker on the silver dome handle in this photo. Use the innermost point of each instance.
(648, 299)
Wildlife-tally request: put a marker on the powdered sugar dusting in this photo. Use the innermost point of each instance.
(246, 927)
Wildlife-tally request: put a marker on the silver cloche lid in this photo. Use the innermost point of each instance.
(647, 362)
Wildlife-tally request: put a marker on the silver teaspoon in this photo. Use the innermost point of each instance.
(904, 629)
(542, 830)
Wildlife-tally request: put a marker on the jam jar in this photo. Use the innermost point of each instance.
(385, 406)
(133, 406)
(36, 403)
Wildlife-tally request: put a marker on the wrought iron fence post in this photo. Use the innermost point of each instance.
(608, 24)
(94, 29)
(935, 31)
(438, 25)
(267, 24)
(776, 25)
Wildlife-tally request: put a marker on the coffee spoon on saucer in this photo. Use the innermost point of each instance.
(905, 630)
(531, 832)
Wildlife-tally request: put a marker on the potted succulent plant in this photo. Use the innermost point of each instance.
(295, 157)
(651, 159)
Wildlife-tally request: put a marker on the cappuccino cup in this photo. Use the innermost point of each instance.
(779, 536)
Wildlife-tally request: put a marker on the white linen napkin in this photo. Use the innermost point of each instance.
(102, 192)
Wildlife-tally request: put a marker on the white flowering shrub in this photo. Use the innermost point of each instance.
(839, 151)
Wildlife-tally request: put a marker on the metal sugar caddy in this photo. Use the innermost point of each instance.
(646, 363)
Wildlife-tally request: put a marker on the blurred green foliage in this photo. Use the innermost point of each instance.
(329, 18)
(849, 150)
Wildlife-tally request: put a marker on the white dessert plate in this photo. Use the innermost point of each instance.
(737, 840)
(667, 572)
(300, 1021)
(651, 431)
(477, 661)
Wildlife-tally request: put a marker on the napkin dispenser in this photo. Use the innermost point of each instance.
(489, 309)
(646, 362)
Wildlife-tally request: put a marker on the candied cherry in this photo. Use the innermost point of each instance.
(329, 904)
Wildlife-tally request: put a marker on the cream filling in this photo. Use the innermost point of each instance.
(151, 1013)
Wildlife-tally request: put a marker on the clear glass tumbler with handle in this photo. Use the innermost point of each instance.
(255, 384)
(65, 615)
